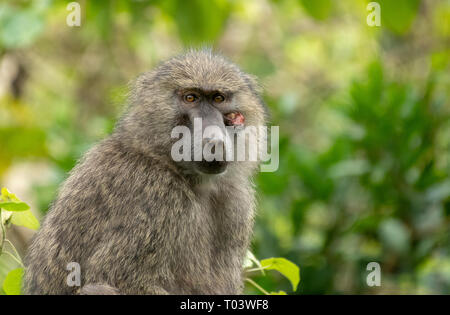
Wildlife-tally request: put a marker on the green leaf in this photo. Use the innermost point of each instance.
(5, 194)
(13, 282)
(26, 219)
(16, 211)
(14, 206)
(287, 268)
(10, 202)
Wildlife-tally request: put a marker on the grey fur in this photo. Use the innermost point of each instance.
(98, 289)
(135, 220)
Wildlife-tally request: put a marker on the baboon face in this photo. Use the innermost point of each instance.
(206, 110)
(205, 92)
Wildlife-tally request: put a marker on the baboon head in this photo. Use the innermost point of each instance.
(197, 87)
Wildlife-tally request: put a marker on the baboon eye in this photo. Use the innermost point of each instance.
(190, 98)
(218, 98)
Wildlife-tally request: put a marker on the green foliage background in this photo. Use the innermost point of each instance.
(363, 115)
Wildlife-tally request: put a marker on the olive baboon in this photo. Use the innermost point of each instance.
(136, 221)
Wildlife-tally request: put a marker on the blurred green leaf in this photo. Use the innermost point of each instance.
(13, 282)
(439, 191)
(398, 15)
(19, 28)
(7, 263)
(20, 142)
(101, 13)
(198, 21)
(318, 9)
(349, 168)
(395, 235)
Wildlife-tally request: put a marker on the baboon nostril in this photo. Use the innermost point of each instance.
(217, 144)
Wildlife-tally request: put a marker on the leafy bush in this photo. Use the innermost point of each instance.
(13, 211)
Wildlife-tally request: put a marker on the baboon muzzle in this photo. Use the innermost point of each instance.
(213, 139)
(213, 161)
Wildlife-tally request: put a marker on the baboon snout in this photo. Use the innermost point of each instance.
(213, 161)
(214, 146)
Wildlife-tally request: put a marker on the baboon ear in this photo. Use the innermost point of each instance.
(140, 83)
(138, 88)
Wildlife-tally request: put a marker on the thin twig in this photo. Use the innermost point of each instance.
(14, 249)
(257, 286)
(3, 232)
(257, 269)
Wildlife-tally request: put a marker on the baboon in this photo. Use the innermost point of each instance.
(136, 221)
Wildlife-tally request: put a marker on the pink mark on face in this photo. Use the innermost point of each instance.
(234, 119)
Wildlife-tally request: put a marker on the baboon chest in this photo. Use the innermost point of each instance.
(218, 243)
